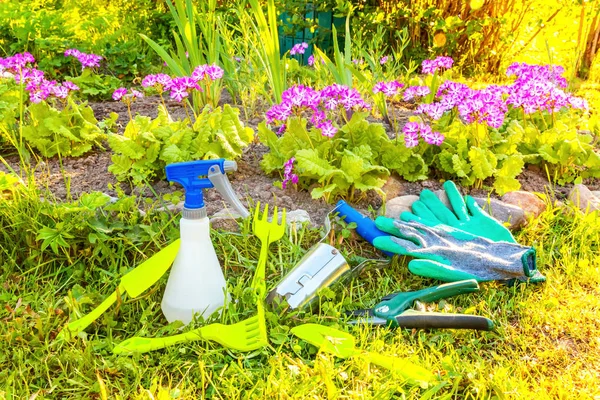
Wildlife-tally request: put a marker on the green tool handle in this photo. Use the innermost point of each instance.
(258, 281)
(413, 373)
(431, 320)
(74, 327)
(142, 345)
(389, 309)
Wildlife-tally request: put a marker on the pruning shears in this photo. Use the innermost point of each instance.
(396, 310)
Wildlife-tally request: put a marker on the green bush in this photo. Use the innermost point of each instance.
(148, 145)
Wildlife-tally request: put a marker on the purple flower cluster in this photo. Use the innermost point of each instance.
(527, 72)
(412, 131)
(539, 87)
(212, 72)
(36, 84)
(384, 60)
(44, 89)
(288, 175)
(389, 89)
(159, 81)
(311, 60)
(86, 60)
(416, 91)
(180, 87)
(299, 98)
(121, 94)
(536, 88)
(431, 66)
(299, 48)
(15, 64)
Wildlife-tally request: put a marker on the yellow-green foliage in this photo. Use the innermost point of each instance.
(148, 145)
(72, 131)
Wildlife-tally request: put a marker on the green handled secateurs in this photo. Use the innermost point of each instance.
(395, 310)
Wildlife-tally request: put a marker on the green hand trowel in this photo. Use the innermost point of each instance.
(341, 344)
(134, 283)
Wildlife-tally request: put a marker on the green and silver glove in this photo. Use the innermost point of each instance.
(450, 254)
(465, 215)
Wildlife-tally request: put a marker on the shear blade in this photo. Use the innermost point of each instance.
(368, 320)
(367, 312)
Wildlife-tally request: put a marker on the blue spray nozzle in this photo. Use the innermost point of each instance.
(196, 175)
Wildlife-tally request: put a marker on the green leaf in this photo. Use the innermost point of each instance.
(319, 192)
(460, 167)
(483, 162)
(310, 164)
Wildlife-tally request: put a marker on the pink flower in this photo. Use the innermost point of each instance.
(299, 48)
(119, 93)
(327, 128)
(288, 175)
(179, 93)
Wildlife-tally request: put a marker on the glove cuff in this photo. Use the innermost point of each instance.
(529, 262)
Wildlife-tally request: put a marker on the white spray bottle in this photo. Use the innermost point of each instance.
(196, 283)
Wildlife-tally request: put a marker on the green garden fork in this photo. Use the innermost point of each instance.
(267, 232)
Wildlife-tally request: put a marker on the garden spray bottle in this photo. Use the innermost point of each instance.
(196, 283)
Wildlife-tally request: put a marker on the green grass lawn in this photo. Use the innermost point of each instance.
(546, 344)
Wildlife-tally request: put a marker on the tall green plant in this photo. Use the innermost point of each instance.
(341, 71)
(267, 49)
(196, 47)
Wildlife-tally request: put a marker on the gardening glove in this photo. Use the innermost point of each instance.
(467, 216)
(450, 255)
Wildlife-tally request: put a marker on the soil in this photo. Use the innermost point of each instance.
(90, 172)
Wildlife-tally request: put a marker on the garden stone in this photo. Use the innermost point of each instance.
(441, 194)
(503, 212)
(395, 206)
(584, 198)
(297, 218)
(529, 202)
(225, 219)
(392, 188)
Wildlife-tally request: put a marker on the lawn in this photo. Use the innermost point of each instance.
(98, 103)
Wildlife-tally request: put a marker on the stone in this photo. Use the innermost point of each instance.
(397, 205)
(441, 194)
(392, 187)
(529, 202)
(505, 213)
(297, 218)
(584, 198)
(225, 219)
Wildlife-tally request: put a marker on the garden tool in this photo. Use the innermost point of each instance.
(246, 335)
(465, 215)
(321, 266)
(196, 282)
(395, 310)
(134, 283)
(341, 344)
(446, 259)
(267, 232)
(449, 254)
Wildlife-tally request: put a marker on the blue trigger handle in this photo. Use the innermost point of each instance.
(365, 226)
(188, 174)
